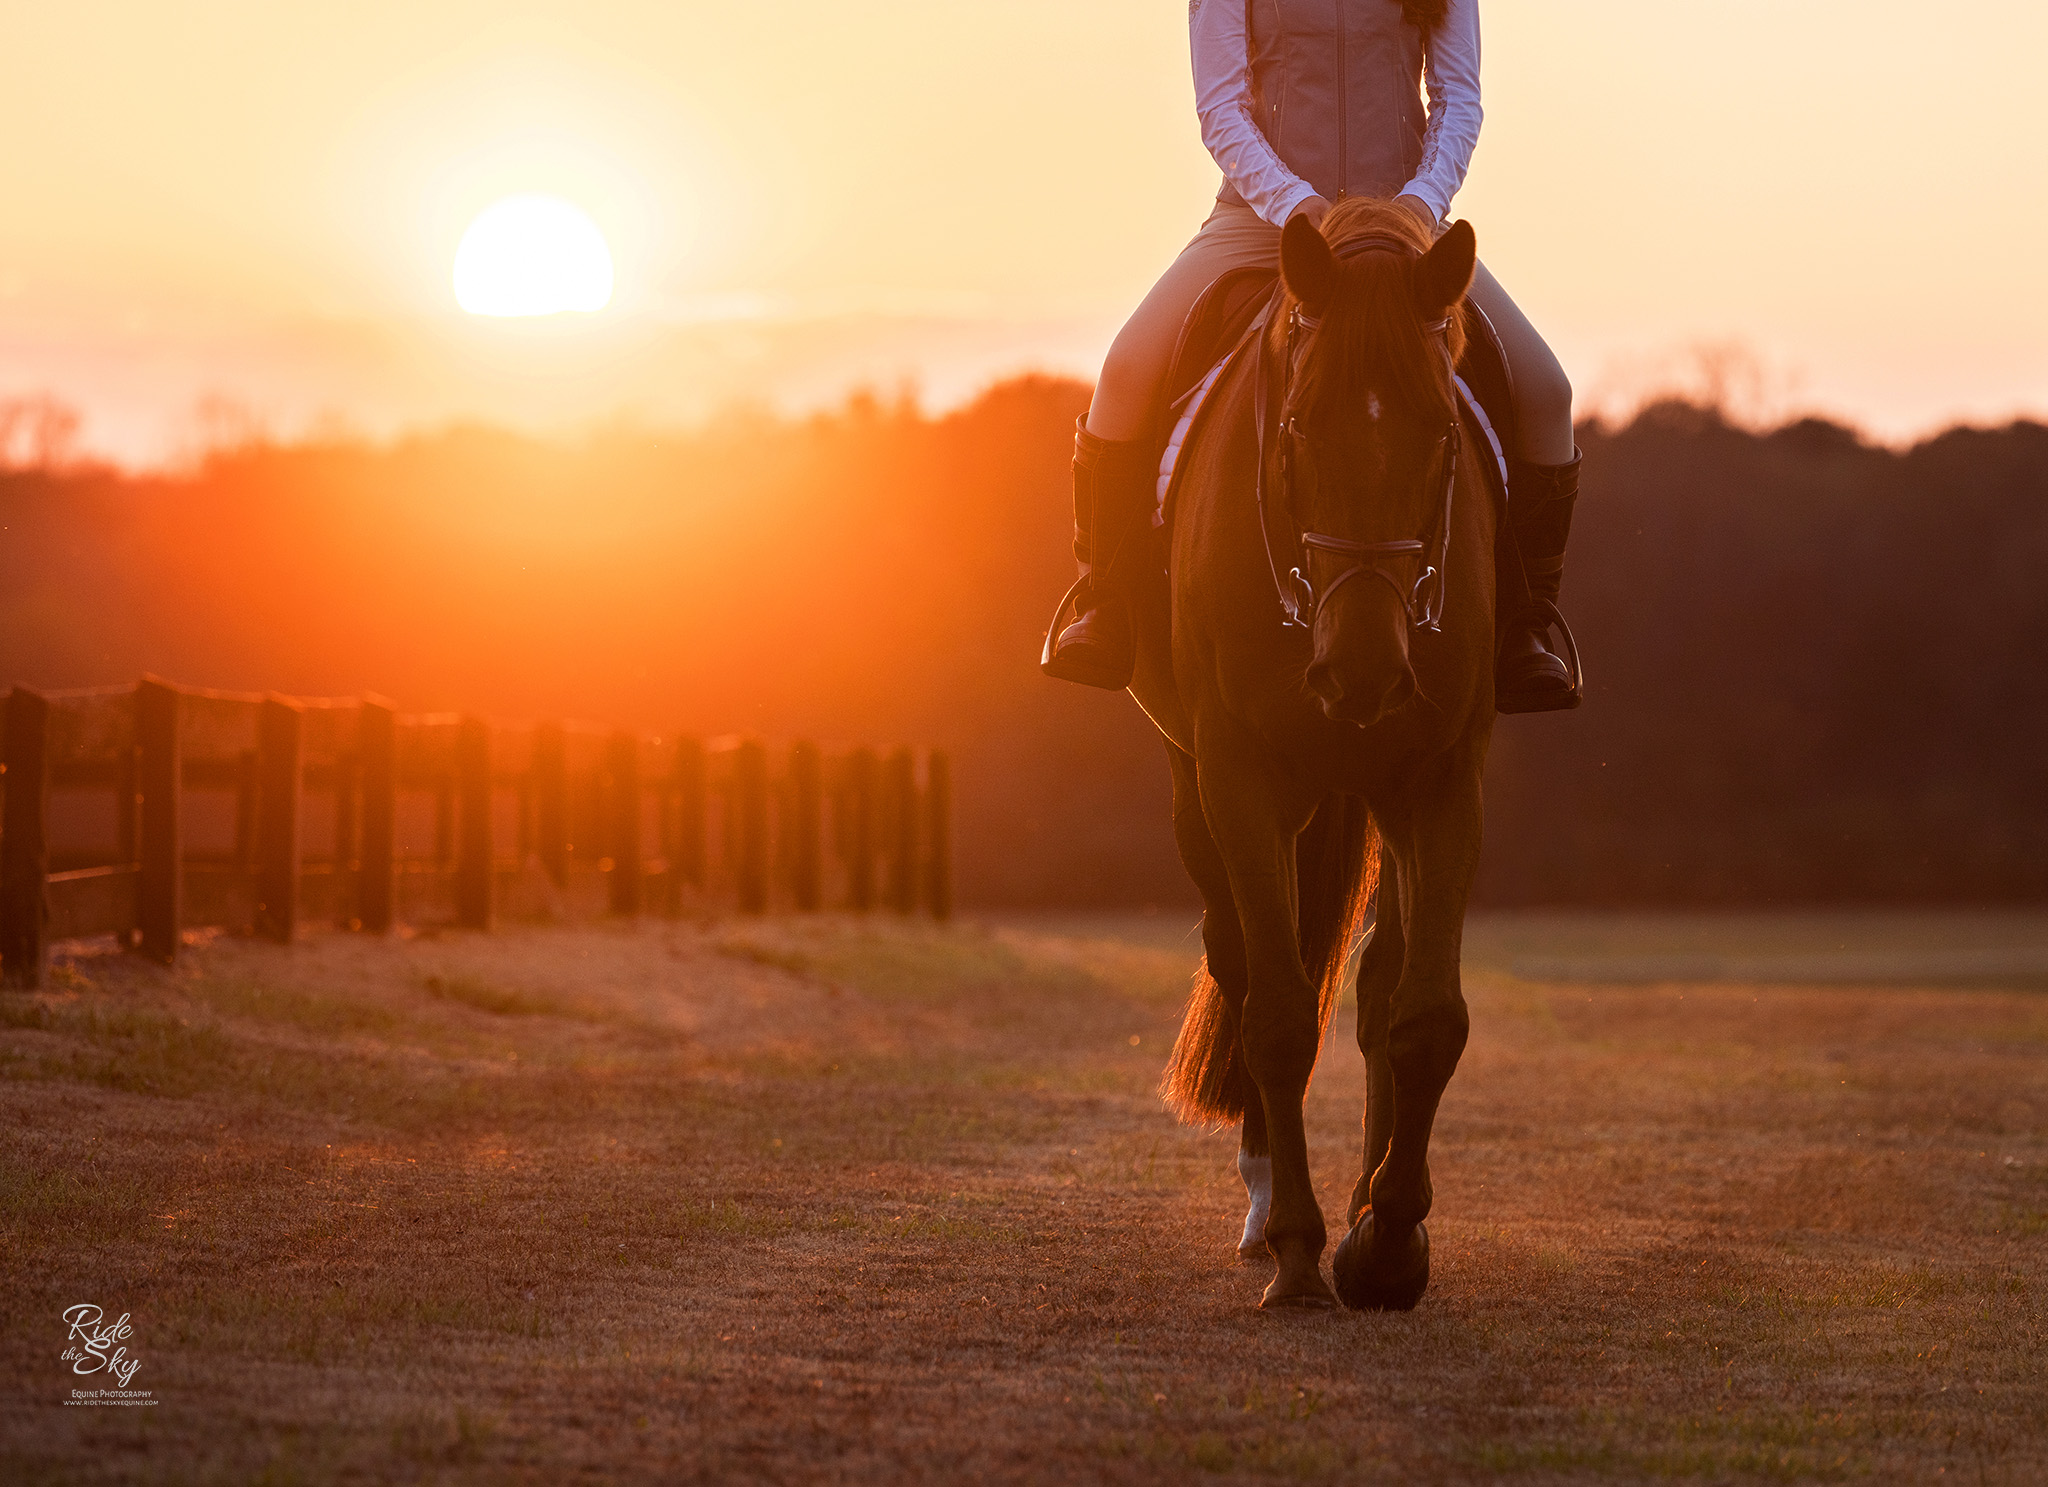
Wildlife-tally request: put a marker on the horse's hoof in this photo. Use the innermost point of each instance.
(1371, 1279)
(1307, 1301)
(1250, 1252)
(1297, 1285)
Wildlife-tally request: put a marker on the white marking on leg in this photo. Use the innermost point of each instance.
(1257, 1173)
(1372, 406)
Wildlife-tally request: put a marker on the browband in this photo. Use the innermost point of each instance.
(1315, 322)
(1373, 242)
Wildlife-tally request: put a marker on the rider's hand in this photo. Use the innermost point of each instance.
(1421, 211)
(1312, 207)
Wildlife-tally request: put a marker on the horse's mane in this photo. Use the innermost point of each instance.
(1373, 322)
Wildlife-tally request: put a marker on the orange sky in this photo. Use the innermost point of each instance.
(258, 204)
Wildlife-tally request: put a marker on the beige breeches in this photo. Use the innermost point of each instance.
(1133, 374)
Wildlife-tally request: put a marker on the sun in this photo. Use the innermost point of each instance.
(532, 255)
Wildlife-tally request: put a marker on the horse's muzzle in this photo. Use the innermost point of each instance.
(1359, 699)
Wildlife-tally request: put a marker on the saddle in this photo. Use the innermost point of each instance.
(1221, 316)
(1225, 312)
(1221, 324)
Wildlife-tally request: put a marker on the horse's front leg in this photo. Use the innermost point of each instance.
(1383, 1263)
(1254, 823)
(1379, 973)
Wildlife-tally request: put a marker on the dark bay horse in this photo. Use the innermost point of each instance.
(1326, 689)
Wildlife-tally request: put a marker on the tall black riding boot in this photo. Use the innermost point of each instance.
(1115, 489)
(1529, 676)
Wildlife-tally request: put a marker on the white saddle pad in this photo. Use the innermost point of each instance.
(1190, 405)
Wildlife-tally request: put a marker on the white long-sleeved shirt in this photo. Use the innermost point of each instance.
(1223, 101)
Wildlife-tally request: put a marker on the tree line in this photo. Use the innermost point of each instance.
(1814, 664)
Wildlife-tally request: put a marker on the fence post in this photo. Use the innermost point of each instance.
(280, 755)
(348, 890)
(444, 817)
(690, 814)
(587, 822)
(752, 790)
(377, 880)
(551, 800)
(807, 826)
(523, 835)
(160, 890)
(474, 867)
(664, 786)
(24, 839)
(900, 790)
(938, 828)
(857, 838)
(622, 837)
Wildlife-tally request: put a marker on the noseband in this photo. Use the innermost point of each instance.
(1300, 600)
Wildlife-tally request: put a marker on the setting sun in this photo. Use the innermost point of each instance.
(532, 255)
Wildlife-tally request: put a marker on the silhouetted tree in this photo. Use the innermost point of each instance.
(1814, 663)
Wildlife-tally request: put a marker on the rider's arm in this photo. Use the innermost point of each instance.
(1223, 102)
(1454, 111)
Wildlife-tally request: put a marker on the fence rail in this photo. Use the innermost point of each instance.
(346, 811)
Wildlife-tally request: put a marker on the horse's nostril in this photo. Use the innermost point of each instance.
(1366, 700)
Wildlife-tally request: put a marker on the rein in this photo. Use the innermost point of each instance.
(1300, 600)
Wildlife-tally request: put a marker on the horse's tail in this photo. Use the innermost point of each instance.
(1337, 859)
(1205, 1082)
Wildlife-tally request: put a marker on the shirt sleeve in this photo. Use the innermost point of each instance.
(1223, 102)
(1452, 74)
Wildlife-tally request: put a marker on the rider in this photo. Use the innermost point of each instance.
(1302, 103)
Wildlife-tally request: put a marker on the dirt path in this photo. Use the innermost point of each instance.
(833, 1201)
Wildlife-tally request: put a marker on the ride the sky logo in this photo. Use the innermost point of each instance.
(95, 1345)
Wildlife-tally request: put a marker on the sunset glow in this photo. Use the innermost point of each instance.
(273, 222)
(533, 255)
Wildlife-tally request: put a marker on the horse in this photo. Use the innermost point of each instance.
(1322, 672)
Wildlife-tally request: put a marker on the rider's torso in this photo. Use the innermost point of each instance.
(1337, 90)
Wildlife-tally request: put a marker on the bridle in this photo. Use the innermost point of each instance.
(1300, 600)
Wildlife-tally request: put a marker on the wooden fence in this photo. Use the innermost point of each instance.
(262, 813)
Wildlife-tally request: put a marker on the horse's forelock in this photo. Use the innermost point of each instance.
(1373, 321)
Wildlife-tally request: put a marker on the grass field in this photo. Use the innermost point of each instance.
(834, 1201)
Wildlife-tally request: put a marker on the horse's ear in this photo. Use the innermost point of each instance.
(1307, 266)
(1444, 273)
